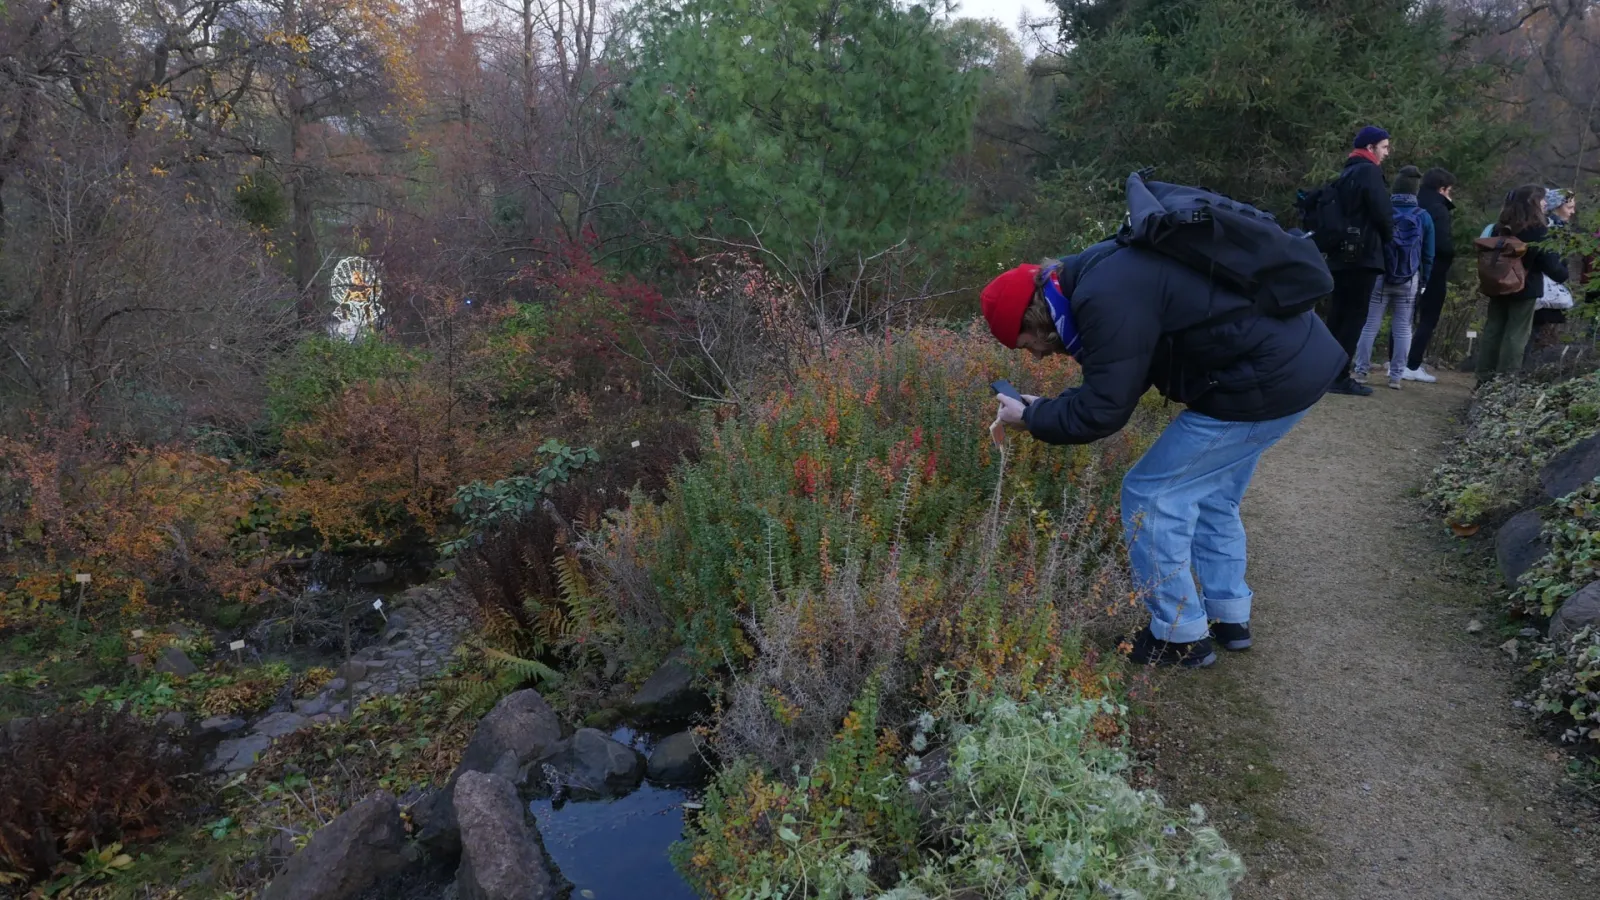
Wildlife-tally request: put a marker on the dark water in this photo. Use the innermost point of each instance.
(617, 849)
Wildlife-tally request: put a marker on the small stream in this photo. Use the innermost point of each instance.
(617, 849)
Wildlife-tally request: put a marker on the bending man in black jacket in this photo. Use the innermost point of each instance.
(1364, 200)
(1246, 382)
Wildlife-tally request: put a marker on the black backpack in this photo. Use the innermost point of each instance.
(1325, 215)
(1241, 247)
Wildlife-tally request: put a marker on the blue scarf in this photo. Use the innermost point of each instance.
(1061, 311)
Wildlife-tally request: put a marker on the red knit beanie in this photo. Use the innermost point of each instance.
(1005, 300)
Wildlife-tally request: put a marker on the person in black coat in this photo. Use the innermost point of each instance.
(1510, 319)
(1364, 198)
(1138, 320)
(1435, 198)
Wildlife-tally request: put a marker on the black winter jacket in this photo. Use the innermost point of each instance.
(1541, 263)
(1130, 309)
(1364, 196)
(1439, 206)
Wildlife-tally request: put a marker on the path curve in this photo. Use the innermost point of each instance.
(1367, 747)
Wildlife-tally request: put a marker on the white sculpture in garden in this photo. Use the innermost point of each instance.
(356, 291)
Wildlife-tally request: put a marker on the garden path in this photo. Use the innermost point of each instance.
(1367, 747)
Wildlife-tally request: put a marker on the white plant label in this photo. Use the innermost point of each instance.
(236, 645)
(138, 633)
(84, 578)
(635, 445)
(1471, 335)
(378, 605)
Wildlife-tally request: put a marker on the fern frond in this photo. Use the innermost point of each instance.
(470, 695)
(523, 669)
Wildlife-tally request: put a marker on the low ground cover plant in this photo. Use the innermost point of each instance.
(1515, 426)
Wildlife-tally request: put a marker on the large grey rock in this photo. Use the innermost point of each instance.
(1571, 469)
(279, 724)
(590, 765)
(222, 725)
(313, 706)
(678, 759)
(238, 754)
(175, 662)
(500, 855)
(1518, 546)
(375, 572)
(353, 671)
(520, 729)
(346, 857)
(669, 695)
(15, 728)
(1578, 612)
(174, 720)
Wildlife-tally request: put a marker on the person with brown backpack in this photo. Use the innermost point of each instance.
(1512, 269)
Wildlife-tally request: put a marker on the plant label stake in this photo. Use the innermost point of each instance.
(635, 445)
(378, 605)
(238, 651)
(82, 578)
(1471, 336)
(138, 633)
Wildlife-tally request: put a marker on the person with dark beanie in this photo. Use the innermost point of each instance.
(1364, 196)
(1434, 197)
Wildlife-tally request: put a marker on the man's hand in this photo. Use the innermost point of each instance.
(1010, 414)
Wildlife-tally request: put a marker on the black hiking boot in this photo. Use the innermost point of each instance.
(1231, 635)
(1351, 387)
(1149, 651)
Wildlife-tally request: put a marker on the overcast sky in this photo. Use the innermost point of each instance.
(1009, 12)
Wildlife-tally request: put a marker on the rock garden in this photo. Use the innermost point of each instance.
(838, 645)
(1527, 468)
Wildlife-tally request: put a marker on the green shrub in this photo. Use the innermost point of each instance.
(1573, 535)
(1036, 803)
(321, 368)
(844, 828)
(1022, 799)
(878, 458)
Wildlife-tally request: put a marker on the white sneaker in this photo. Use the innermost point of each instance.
(1420, 373)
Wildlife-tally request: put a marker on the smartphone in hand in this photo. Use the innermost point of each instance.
(1004, 387)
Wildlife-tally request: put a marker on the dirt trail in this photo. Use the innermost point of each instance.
(1367, 747)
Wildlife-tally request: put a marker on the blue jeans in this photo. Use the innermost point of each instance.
(1180, 506)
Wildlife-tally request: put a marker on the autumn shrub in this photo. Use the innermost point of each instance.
(75, 781)
(381, 463)
(139, 521)
(816, 652)
(845, 826)
(878, 457)
(570, 347)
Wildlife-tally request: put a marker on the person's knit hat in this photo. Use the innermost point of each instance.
(1554, 198)
(1005, 299)
(1370, 135)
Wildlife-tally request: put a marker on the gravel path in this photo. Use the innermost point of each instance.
(1367, 747)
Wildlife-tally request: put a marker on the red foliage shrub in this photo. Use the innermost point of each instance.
(75, 781)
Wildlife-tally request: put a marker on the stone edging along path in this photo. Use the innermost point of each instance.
(424, 625)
